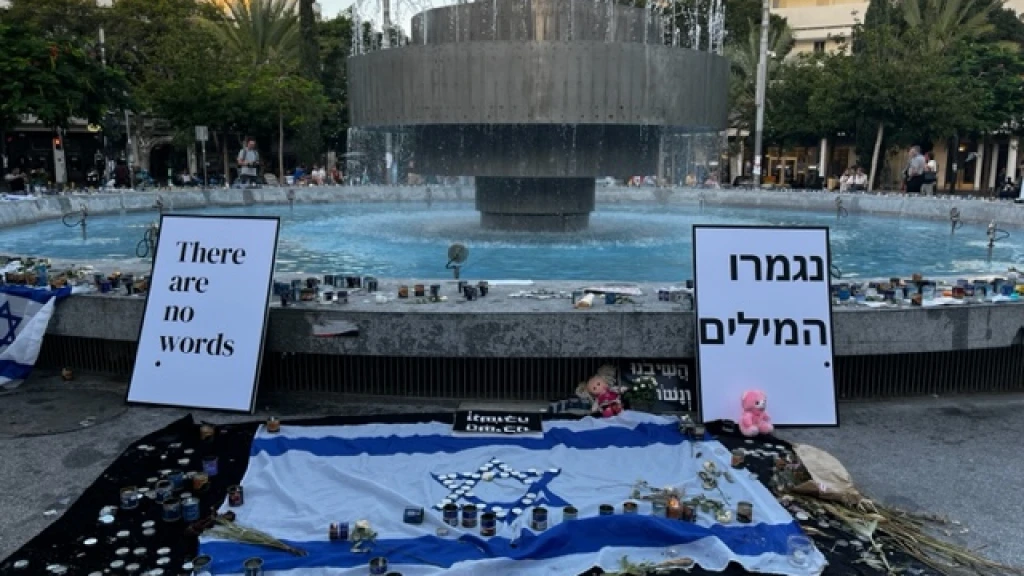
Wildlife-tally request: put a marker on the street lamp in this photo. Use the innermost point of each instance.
(762, 79)
(127, 122)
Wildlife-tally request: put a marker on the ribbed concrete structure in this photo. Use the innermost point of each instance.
(537, 98)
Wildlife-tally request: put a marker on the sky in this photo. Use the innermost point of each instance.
(330, 8)
(402, 10)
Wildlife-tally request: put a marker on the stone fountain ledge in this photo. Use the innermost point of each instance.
(500, 326)
(983, 211)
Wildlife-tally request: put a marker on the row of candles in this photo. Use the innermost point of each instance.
(314, 289)
(918, 290)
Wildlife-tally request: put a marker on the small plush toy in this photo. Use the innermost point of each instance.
(755, 418)
(601, 390)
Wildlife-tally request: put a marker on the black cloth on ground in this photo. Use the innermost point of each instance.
(62, 542)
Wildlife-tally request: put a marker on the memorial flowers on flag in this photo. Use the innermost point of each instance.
(642, 392)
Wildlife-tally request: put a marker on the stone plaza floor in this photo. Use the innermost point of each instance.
(956, 457)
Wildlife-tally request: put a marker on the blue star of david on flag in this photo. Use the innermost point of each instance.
(12, 324)
(535, 491)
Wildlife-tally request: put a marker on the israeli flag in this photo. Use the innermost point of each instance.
(24, 315)
(303, 479)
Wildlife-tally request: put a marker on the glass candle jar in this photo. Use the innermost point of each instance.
(744, 512)
(799, 550)
(737, 458)
(928, 291)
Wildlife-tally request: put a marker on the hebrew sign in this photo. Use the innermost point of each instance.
(764, 321)
(677, 386)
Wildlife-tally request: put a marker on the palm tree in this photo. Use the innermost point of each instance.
(260, 33)
(743, 59)
(944, 23)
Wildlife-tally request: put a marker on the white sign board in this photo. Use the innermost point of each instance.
(764, 321)
(202, 134)
(201, 340)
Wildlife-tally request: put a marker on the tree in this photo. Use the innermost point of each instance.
(335, 44)
(263, 38)
(898, 94)
(992, 75)
(72, 20)
(744, 59)
(742, 17)
(52, 79)
(143, 36)
(941, 24)
(802, 103)
(1007, 26)
(291, 99)
(309, 133)
(186, 95)
(259, 32)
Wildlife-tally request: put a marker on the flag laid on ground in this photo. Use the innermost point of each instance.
(24, 315)
(304, 478)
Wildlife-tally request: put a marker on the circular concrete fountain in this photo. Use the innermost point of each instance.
(536, 99)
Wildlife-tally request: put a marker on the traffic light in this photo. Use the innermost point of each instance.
(57, 143)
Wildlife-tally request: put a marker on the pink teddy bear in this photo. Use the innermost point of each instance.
(755, 418)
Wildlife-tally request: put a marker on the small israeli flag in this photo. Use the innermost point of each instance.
(24, 315)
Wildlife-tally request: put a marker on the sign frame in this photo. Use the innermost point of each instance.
(701, 397)
(265, 322)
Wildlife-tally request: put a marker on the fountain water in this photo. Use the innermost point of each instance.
(535, 99)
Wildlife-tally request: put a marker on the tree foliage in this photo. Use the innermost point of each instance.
(743, 18)
(52, 76)
(259, 32)
(262, 39)
(744, 58)
(920, 71)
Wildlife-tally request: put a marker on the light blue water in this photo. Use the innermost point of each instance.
(625, 243)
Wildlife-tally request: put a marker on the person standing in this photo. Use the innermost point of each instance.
(914, 173)
(16, 181)
(248, 164)
(931, 175)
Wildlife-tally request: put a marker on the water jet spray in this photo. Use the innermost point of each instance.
(841, 212)
(147, 246)
(457, 255)
(954, 220)
(995, 234)
(82, 214)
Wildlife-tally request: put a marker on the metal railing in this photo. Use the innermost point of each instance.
(857, 377)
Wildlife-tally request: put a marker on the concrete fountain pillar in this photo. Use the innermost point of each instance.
(535, 204)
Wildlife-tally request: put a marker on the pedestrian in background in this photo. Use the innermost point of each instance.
(914, 173)
(931, 175)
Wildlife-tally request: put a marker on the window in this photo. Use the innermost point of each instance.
(819, 46)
